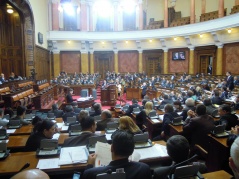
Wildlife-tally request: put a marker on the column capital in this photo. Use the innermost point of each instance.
(191, 47)
(140, 50)
(91, 51)
(115, 51)
(56, 51)
(165, 49)
(84, 52)
(219, 45)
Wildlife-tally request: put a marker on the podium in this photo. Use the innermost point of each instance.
(108, 96)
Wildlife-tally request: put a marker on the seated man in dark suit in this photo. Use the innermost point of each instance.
(68, 112)
(21, 111)
(178, 149)
(167, 118)
(226, 117)
(198, 126)
(75, 107)
(97, 110)
(88, 130)
(122, 147)
(216, 99)
(106, 117)
(131, 107)
(165, 101)
(57, 113)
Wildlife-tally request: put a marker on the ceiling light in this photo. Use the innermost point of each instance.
(103, 42)
(10, 11)
(201, 35)
(229, 31)
(126, 41)
(150, 40)
(68, 41)
(175, 38)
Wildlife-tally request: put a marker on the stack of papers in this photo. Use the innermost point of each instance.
(56, 136)
(103, 152)
(73, 155)
(48, 163)
(155, 151)
(10, 131)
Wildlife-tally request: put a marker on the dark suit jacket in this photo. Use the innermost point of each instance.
(82, 139)
(69, 98)
(58, 113)
(95, 113)
(164, 102)
(34, 141)
(68, 114)
(230, 83)
(185, 111)
(133, 170)
(77, 110)
(217, 100)
(167, 118)
(198, 128)
(131, 107)
(101, 125)
(230, 120)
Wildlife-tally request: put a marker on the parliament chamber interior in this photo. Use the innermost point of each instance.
(76, 75)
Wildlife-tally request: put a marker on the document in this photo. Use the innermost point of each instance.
(161, 117)
(103, 151)
(155, 120)
(108, 137)
(73, 155)
(64, 128)
(56, 136)
(48, 163)
(11, 131)
(59, 125)
(155, 151)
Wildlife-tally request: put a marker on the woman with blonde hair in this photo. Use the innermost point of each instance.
(148, 107)
(126, 123)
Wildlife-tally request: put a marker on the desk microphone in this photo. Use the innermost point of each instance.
(24, 167)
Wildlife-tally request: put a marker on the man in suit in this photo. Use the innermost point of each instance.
(57, 113)
(198, 126)
(97, 110)
(88, 126)
(165, 101)
(68, 113)
(209, 70)
(190, 105)
(69, 98)
(75, 107)
(21, 111)
(178, 149)
(106, 117)
(226, 117)
(216, 99)
(230, 81)
(233, 160)
(122, 147)
(2, 79)
(131, 107)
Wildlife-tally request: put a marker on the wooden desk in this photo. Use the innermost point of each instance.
(175, 130)
(153, 127)
(135, 93)
(218, 154)
(81, 104)
(221, 174)
(24, 130)
(15, 161)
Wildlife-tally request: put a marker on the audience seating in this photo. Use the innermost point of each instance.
(235, 9)
(180, 21)
(211, 15)
(155, 25)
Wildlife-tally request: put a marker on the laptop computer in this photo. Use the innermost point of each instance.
(153, 115)
(117, 106)
(28, 117)
(142, 141)
(111, 127)
(136, 110)
(93, 140)
(177, 121)
(75, 130)
(219, 131)
(125, 108)
(14, 124)
(51, 116)
(48, 147)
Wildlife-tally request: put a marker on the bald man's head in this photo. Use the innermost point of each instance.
(31, 174)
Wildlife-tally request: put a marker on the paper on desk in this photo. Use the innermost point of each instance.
(71, 155)
(59, 125)
(56, 136)
(64, 128)
(155, 120)
(103, 151)
(53, 121)
(11, 131)
(48, 163)
(179, 113)
(161, 117)
(108, 136)
(4, 141)
(151, 152)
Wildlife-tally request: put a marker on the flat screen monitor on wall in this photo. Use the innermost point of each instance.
(179, 55)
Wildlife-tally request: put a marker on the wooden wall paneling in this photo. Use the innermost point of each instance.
(128, 61)
(153, 58)
(70, 61)
(42, 63)
(231, 58)
(179, 66)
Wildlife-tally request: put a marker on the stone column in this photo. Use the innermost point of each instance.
(84, 62)
(191, 61)
(55, 16)
(83, 15)
(221, 8)
(219, 59)
(165, 59)
(141, 18)
(57, 63)
(203, 6)
(116, 61)
(192, 13)
(165, 13)
(140, 61)
(92, 65)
